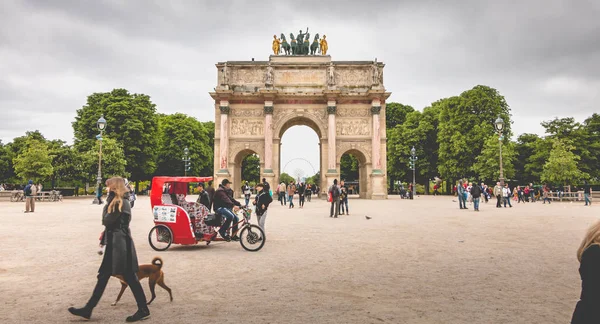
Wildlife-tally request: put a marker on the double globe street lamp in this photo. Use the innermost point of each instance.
(413, 159)
(186, 161)
(101, 124)
(499, 125)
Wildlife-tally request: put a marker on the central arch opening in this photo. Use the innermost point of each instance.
(300, 153)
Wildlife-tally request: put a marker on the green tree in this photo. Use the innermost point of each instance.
(349, 167)
(561, 167)
(524, 149)
(466, 122)
(395, 114)
(114, 163)
(487, 165)
(314, 179)
(251, 168)
(66, 162)
(131, 121)
(34, 163)
(176, 132)
(6, 167)
(286, 178)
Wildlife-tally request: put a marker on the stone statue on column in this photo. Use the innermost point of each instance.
(331, 75)
(269, 76)
(225, 76)
(375, 73)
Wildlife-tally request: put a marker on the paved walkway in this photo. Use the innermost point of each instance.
(420, 261)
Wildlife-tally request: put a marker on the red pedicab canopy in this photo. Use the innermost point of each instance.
(178, 186)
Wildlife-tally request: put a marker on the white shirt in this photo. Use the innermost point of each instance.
(505, 192)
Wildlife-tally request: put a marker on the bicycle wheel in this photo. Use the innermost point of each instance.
(160, 237)
(252, 238)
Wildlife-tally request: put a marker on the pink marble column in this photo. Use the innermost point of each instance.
(376, 139)
(331, 157)
(268, 158)
(224, 139)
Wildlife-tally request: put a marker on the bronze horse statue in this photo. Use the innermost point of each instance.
(315, 45)
(284, 45)
(294, 45)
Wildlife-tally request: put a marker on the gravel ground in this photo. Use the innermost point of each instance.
(421, 261)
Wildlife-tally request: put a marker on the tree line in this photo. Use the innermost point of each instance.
(455, 139)
(137, 143)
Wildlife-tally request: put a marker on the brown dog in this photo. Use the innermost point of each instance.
(154, 274)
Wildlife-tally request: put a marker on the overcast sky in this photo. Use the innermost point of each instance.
(543, 55)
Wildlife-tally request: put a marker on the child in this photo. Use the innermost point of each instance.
(262, 201)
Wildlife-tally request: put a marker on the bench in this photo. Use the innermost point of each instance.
(6, 194)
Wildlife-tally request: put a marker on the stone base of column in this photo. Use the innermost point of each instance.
(378, 184)
(219, 176)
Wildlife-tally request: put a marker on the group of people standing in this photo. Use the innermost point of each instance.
(338, 196)
(467, 191)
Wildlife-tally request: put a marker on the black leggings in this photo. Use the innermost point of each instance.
(131, 279)
(301, 200)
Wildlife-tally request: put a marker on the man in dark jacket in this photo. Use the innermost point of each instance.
(262, 201)
(203, 197)
(225, 207)
(334, 191)
(476, 194)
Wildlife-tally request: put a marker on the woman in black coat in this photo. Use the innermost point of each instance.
(588, 307)
(120, 257)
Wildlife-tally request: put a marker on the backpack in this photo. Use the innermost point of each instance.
(335, 192)
(28, 190)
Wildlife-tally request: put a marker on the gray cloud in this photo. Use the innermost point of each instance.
(543, 56)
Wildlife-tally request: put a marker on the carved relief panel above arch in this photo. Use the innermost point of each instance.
(238, 146)
(362, 147)
(316, 116)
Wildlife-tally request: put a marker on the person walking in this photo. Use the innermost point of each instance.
(30, 194)
(520, 195)
(120, 257)
(476, 195)
(344, 198)
(308, 192)
(301, 193)
(498, 193)
(247, 193)
(211, 194)
(291, 191)
(546, 194)
(531, 192)
(99, 194)
(506, 195)
(262, 201)
(460, 191)
(282, 192)
(334, 192)
(587, 193)
(484, 191)
(588, 254)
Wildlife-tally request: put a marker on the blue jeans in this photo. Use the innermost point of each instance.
(344, 202)
(462, 202)
(476, 203)
(507, 199)
(291, 199)
(230, 216)
(247, 198)
(587, 199)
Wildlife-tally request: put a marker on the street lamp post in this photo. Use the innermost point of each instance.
(413, 159)
(499, 125)
(186, 161)
(101, 124)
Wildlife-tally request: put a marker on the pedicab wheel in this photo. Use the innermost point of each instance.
(252, 238)
(160, 237)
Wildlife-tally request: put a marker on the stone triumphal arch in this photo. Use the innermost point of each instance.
(342, 101)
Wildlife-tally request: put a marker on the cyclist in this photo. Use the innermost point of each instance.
(226, 206)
